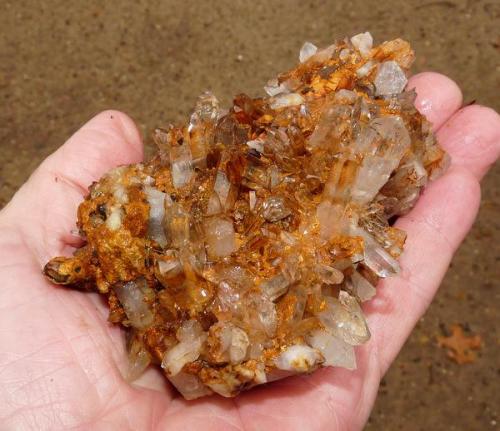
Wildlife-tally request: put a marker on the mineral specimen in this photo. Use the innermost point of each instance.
(241, 252)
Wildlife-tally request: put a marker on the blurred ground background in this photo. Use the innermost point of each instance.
(63, 61)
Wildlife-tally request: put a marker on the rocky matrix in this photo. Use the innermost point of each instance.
(240, 254)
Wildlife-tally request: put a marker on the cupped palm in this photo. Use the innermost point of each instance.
(61, 362)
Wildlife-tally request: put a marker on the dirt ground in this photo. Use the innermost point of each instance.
(63, 61)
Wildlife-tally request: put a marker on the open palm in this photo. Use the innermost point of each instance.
(61, 361)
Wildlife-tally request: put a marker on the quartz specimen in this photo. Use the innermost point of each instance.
(241, 252)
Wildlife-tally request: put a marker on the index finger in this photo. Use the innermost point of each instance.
(438, 97)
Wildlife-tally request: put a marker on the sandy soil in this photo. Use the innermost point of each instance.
(63, 61)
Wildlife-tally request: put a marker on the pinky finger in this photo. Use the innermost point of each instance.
(472, 138)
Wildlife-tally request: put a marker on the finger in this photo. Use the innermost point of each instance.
(435, 228)
(49, 199)
(107, 140)
(438, 97)
(471, 135)
(472, 138)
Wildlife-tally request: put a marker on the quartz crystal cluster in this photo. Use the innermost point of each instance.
(241, 252)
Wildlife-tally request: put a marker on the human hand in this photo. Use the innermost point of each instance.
(60, 359)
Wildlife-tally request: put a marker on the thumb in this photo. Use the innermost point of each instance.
(44, 208)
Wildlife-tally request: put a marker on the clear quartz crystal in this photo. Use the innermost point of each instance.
(361, 287)
(273, 88)
(182, 169)
(176, 224)
(156, 200)
(191, 339)
(139, 359)
(168, 265)
(241, 252)
(275, 286)
(344, 319)
(263, 314)
(220, 197)
(329, 274)
(337, 352)
(390, 79)
(274, 209)
(379, 162)
(332, 219)
(132, 296)
(206, 109)
(363, 43)
(375, 256)
(365, 69)
(220, 237)
(233, 343)
(345, 96)
(307, 51)
(285, 100)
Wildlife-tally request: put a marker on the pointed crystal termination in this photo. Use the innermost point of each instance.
(390, 79)
(363, 42)
(307, 51)
(240, 254)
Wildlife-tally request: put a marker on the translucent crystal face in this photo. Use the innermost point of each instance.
(241, 252)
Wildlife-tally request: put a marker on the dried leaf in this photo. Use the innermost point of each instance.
(460, 346)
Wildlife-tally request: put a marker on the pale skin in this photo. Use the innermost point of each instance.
(61, 361)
